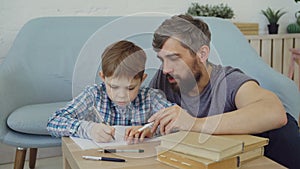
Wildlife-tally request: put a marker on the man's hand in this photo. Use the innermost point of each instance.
(133, 136)
(170, 119)
(101, 133)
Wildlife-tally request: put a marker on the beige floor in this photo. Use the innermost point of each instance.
(45, 163)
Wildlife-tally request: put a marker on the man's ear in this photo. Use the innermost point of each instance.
(102, 76)
(203, 53)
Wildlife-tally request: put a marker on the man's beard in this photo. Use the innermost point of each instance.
(188, 83)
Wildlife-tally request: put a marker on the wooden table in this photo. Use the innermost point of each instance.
(72, 158)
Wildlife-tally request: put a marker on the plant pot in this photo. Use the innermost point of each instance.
(297, 15)
(273, 28)
(293, 28)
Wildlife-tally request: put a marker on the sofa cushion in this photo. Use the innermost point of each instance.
(32, 119)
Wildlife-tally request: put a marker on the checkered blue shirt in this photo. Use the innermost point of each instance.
(65, 121)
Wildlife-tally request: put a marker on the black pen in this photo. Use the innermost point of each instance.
(121, 151)
(103, 158)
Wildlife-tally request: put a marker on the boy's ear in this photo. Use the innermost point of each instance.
(102, 76)
(144, 77)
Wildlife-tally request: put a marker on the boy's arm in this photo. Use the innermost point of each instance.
(159, 103)
(66, 121)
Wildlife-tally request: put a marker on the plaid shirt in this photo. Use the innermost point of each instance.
(65, 121)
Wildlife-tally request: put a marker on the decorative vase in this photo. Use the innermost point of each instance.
(273, 28)
(293, 28)
(297, 15)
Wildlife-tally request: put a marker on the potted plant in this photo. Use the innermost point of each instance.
(221, 10)
(273, 16)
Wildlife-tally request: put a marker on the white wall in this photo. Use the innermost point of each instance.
(15, 13)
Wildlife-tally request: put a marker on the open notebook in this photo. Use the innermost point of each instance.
(119, 136)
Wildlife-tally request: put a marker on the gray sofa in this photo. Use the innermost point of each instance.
(53, 58)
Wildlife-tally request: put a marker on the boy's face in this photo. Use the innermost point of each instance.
(122, 90)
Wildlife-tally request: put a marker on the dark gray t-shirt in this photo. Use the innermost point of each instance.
(217, 97)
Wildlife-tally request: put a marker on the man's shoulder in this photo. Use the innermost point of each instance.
(230, 74)
(227, 72)
(226, 69)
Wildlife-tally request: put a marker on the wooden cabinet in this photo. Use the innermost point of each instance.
(274, 50)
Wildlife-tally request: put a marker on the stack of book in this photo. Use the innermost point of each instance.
(203, 151)
(247, 28)
(253, 146)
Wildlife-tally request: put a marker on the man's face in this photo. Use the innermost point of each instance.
(180, 66)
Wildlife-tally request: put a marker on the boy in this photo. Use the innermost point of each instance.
(118, 100)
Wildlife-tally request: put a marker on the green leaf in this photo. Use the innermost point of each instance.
(221, 10)
(272, 15)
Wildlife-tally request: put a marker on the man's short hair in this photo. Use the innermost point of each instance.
(191, 32)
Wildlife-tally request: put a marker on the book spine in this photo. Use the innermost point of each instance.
(177, 162)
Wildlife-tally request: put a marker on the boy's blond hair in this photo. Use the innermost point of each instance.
(123, 59)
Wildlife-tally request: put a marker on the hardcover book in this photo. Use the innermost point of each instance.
(202, 145)
(250, 155)
(185, 161)
(250, 142)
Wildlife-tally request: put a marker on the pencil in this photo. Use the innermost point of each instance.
(145, 126)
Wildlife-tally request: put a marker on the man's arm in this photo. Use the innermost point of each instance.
(258, 110)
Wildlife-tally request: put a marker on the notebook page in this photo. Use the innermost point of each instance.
(119, 140)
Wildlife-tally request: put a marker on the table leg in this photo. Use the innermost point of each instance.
(66, 164)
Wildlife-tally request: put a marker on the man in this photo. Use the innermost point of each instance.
(216, 99)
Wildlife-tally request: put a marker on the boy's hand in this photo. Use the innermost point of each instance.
(133, 136)
(101, 132)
